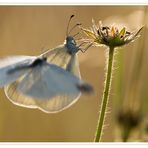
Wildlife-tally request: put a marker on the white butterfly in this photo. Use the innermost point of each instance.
(36, 82)
(64, 56)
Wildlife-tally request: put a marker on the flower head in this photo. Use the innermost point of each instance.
(110, 36)
(129, 118)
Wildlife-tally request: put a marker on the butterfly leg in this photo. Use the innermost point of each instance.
(85, 49)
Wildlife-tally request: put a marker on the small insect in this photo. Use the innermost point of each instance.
(64, 56)
(38, 84)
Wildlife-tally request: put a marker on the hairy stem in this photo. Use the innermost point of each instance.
(105, 96)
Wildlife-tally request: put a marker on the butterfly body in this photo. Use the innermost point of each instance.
(71, 45)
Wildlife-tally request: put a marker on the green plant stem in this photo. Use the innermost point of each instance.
(105, 95)
(125, 134)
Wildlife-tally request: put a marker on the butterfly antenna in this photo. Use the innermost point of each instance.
(78, 24)
(69, 24)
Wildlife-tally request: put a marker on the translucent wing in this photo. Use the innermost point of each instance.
(52, 105)
(60, 57)
(50, 81)
(57, 103)
(73, 66)
(10, 60)
(10, 63)
(16, 98)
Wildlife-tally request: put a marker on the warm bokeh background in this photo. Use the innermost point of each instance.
(29, 30)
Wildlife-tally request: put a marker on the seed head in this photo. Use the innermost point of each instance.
(110, 36)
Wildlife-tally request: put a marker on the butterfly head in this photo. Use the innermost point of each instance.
(70, 42)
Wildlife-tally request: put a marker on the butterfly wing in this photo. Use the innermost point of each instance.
(10, 64)
(52, 105)
(61, 102)
(73, 66)
(51, 88)
(16, 98)
(60, 57)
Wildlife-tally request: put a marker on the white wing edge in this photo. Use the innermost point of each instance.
(53, 112)
(51, 51)
(41, 109)
(10, 60)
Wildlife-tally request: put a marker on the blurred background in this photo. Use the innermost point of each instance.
(30, 30)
